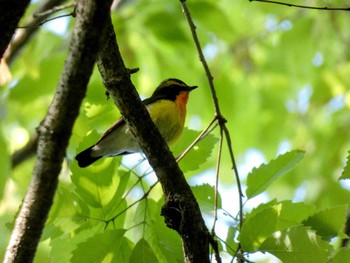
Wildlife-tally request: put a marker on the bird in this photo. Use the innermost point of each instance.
(167, 108)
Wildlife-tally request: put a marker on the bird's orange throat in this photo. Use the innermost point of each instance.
(181, 102)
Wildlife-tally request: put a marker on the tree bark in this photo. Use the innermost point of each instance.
(181, 211)
(11, 13)
(54, 132)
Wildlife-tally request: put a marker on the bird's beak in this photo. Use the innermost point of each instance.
(192, 88)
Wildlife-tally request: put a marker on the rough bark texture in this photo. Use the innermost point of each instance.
(54, 132)
(181, 210)
(11, 13)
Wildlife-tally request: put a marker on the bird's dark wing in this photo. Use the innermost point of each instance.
(121, 120)
(115, 125)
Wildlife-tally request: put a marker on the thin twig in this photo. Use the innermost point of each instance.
(198, 139)
(216, 193)
(218, 162)
(219, 116)
(53, 10)
(131, 205)
(304, 6)
(48, 20)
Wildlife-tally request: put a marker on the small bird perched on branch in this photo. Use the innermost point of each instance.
(167, 108)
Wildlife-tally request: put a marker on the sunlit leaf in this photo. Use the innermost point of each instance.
(329, 222)
(268, 218)
(342, 256)
(108, 246)
(142, 253)
(205, 196)
(297, 244)
(63, 246)
(260, 178)
(197, 155)
(346, 171)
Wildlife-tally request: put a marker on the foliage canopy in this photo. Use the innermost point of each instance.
(282, 78)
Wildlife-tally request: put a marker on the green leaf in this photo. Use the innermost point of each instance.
(104, 247)
(262, 177)
(205, 196)
(165, 242)
(292, 214)
(329, 222)
(268, 218)
(143, 253)
(100, 186)
(255, 230)
(346, 172)
(166, 26)
(211, 17)
(297, 244)
(230, 243)
(63, 246)
(198, 154)
(342, 256)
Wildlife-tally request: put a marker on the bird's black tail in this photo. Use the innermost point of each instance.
(85, 159)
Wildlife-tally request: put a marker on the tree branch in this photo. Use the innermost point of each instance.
(181, 210)
(54, 132)
(303, 6)
(25, 152)
(23, 35)
(218, 115)
(11, 13)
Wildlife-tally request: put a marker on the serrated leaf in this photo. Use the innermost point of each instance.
(199, 154)
(257, 229)
(103, 247)
(63, 246)
(268, 218)
(329, 222)
(346, 171)
(100, 186)
(263, 176)
(205, 195)
(292, 214)
(143, 253)
(297, 244)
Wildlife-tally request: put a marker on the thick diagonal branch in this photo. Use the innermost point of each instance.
(181, 210)
(54, 132)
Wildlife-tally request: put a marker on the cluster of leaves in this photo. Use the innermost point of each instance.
(282, 81)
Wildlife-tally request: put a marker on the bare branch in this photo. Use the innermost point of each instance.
(54, 132)
(26, 152)
(181, 210)
(304, 6)
(220, 118)
(53, 10)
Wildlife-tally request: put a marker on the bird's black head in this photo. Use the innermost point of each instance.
(170, 88)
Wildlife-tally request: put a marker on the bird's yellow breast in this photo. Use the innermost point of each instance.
(169, 117)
